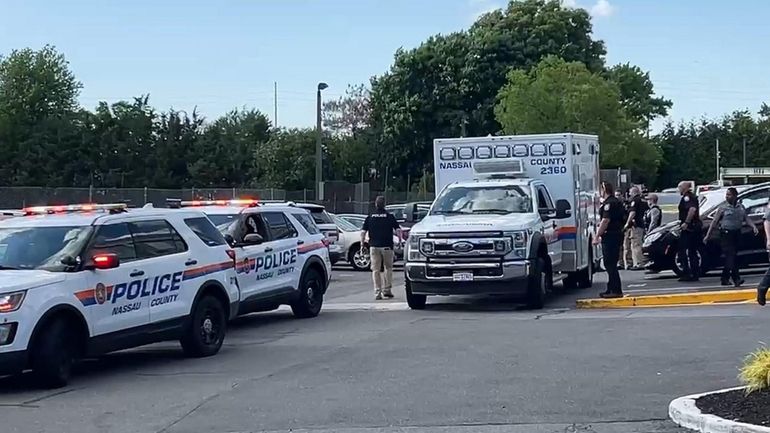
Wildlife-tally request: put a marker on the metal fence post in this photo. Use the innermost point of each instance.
(145, 195)
(91, 193)
(234, 194)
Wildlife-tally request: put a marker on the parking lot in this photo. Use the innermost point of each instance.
(463, 365)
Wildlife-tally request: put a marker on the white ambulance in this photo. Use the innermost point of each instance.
(512, 215)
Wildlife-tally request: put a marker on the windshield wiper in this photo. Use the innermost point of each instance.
(8, 268)
(495, 211)
(449, 212)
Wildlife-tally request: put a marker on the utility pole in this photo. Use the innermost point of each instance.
(719, 178)
(318, 154)
(275, 104)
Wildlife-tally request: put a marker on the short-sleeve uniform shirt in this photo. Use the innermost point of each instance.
(380, 226)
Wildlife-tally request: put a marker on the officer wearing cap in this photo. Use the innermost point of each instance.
(689, 238)
(610, 235)
(730, 218)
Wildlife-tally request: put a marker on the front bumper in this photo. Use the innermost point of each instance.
(501, 278)
(13, 362)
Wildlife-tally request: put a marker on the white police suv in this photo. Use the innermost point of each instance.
(83, 280)
(282, 258)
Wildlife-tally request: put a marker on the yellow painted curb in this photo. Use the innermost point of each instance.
(671, 299)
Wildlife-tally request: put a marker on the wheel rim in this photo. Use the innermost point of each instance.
(209, 328)
(361, 259)
(312, 291)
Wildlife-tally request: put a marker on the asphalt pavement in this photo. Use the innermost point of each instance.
(465, 364)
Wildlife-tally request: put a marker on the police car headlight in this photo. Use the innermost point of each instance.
(11, 301)
(413, 253)
(652, 238)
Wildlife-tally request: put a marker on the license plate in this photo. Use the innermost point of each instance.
(462, 276)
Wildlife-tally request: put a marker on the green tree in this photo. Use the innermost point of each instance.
(287, 159)
(637, 94)
(350, 114)
(38, 108)
(447, 86)
(566, 96)
(224, 155)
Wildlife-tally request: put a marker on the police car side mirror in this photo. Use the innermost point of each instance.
(253, 239)
(70, 261)
(563, 209)
(230, 239)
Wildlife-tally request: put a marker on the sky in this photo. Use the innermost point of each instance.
(709, 56)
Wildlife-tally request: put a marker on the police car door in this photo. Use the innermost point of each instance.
(163, 257)
(250, 258)
(109, 307)
(545, 206)
(281, 257)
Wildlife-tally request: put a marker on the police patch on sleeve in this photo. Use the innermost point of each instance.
(606, 207)
(686, 198)
(633, 204)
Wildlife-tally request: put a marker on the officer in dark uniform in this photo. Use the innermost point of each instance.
(610, 234)
(730, 218)
(690, 237)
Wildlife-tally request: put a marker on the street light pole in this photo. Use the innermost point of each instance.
(318, 153)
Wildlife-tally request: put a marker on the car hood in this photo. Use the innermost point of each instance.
(478, 222)
(13, 280)
(665, 228)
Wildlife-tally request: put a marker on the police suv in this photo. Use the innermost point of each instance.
(282, 258)
(83, 280)
(513, 215)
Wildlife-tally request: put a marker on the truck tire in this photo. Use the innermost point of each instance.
(311, 295)
(206, 332)
(585, 277)
(360, 261)
(415, 302)
(54, 353)
(537, 285)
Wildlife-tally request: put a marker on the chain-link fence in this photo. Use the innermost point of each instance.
(339, 197)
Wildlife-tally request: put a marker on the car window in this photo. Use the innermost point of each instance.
(345, 225)
(279, 226)
(543, 199)
(756, 201)
(321, 217)
(156, 238)
(307, 222)
(205, 230)
(222, 221)
(114, 239)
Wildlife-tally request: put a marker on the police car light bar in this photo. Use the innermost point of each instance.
(234, 202)
(39, 210)
(499, 169)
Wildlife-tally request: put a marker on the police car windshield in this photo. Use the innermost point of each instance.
(222, 221)
(483, 199)
(40, 247)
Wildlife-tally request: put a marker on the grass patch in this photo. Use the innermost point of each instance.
(755, 372)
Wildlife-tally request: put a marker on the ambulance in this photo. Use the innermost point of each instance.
(512, 215)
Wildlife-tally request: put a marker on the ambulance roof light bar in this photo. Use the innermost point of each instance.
(87, 207)
(501, 169)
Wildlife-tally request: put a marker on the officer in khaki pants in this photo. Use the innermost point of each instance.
(380, 226)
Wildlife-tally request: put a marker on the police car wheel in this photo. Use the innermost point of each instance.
(585, 278)
(415, 302)
(361, 261)
(206, 333)
(537, 285)
(311, 295)
(54, 354)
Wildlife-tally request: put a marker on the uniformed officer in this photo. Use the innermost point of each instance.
(654, 217)
(610, 234)
(730, 218)
(632, 243)
(689, 239)
(380, 226)
(765, 283)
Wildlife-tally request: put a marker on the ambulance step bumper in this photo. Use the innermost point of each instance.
(506, 278)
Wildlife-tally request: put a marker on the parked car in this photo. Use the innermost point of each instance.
(398, 210)
(661, 244)
(350, 244)
(325, 223)
(355, 219)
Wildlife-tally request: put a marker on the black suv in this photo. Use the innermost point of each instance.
(660, 245)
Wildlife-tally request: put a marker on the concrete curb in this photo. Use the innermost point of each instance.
(671, 299)
(685, 413)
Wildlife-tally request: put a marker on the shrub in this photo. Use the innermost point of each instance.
(755, 372)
